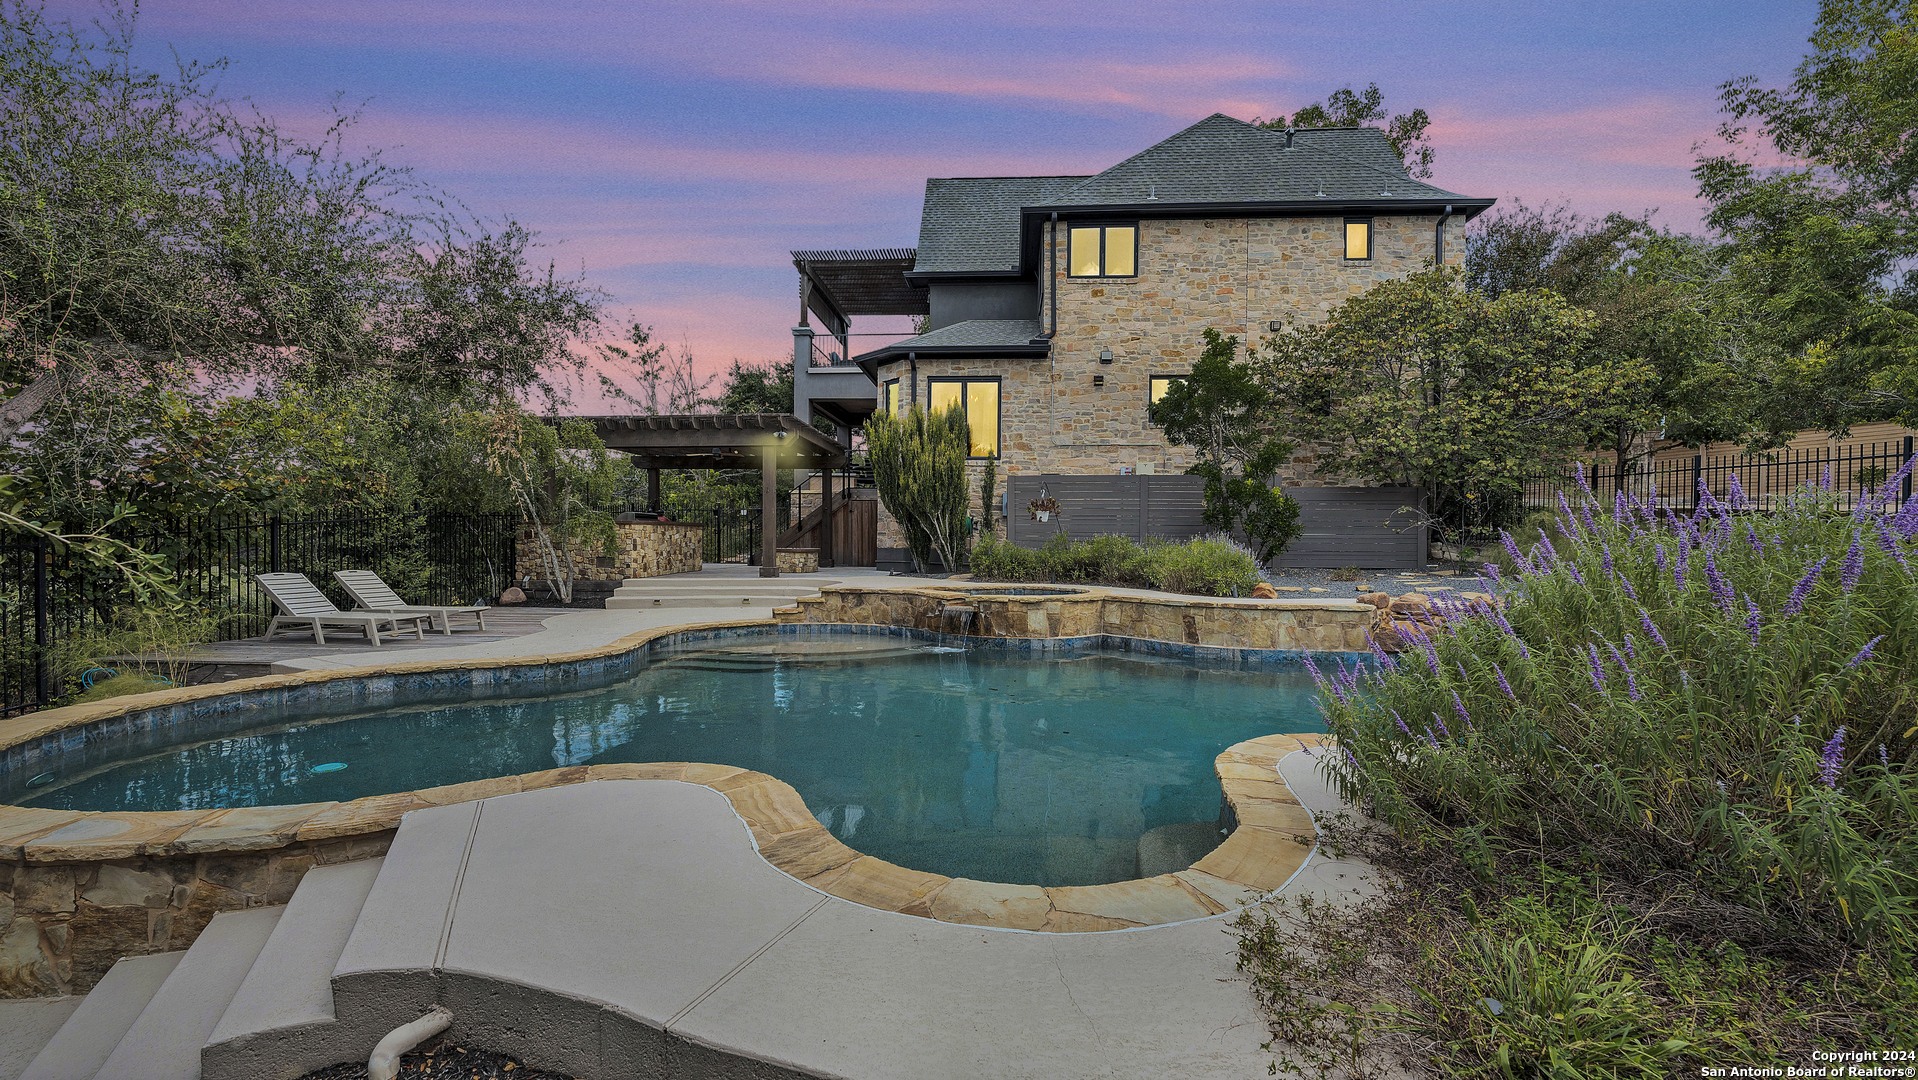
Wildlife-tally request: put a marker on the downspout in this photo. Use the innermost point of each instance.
(912, 360)
(1052, 295)
(1438, 239)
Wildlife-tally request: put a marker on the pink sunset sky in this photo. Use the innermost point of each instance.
(676, 151)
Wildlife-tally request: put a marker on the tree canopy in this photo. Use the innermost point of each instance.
(1346, 108)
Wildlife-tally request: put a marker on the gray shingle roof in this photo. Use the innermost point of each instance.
(1222, 160)
(972, 223)
(978, 332)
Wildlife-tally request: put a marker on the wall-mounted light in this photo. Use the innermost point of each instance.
(1098, 380)
(1273, 326)
(1105, 356)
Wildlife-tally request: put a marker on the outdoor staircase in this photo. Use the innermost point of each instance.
(252, 998)
(708, 590)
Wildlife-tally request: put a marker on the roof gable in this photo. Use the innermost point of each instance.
(971, 223)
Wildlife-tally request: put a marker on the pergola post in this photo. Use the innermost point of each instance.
(769, 511)
(653, 502)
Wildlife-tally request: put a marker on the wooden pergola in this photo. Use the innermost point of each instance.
(695, 441)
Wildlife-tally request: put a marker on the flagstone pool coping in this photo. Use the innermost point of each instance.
(1273, 839)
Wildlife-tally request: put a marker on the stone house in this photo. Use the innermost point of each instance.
(1057, 307)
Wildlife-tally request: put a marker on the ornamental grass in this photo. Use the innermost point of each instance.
(1725, 694)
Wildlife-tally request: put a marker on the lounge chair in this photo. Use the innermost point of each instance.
(372, 594)
(301, 603)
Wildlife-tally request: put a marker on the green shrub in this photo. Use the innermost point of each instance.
(1209, 567)
(1726, 695)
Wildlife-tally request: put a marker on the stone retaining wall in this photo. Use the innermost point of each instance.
(644, 549)
(1286, 626)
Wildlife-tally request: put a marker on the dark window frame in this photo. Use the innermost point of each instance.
(1345, 244)
(998, 397)
(1102, 226)
(889, 397)
(1150, 379)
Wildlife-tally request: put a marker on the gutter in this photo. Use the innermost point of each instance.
(1438, 239)
(1052, 281)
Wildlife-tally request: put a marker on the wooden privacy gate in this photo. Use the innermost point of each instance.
(1167, 507)
(855, 528)
(1370, 527)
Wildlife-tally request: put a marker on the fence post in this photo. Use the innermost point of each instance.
(42, 636)
(273, 544)
(1698, 477)
(1905, 496)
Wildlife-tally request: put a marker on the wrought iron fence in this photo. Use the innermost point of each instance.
(1765, 478)
(49, 595)
(731, 533)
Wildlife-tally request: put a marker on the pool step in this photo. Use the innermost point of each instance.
(281, 1023)
(82, 1044)
(164, 1042)
(648, 593)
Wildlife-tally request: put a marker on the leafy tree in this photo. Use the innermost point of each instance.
(1223, 411)
(564, 479)
(1344, 108)
(1420, 381)
(145, 223)
(756, 388)
(1659, 299)
(919, 464)
(1823, 247)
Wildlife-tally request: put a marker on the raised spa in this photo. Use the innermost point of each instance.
(991, 764)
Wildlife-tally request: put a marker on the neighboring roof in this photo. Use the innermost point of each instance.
(865, 282)
(972, 222)
(1223, 160)
(978, 337)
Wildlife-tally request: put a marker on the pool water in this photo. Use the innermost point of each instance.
(983, 764)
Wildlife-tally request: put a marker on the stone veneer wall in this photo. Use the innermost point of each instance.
(644, 549)
(1235, 275)
(1282, 626)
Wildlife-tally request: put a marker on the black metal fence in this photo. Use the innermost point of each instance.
(50, 596)
(731, 533)
(1766, 478)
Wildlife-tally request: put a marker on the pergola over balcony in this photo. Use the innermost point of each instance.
(836, 286)
(699, 441)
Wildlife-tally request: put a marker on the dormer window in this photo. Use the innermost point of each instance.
(1103, 251)
(1358, 238)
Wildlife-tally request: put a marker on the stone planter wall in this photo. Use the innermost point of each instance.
(798, 560)
(644, 549)
(1265, 625)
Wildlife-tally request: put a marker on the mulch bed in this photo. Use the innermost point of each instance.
(444, 1062)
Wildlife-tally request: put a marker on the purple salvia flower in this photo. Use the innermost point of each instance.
(1572, 568)
(1721, 585)
(1621, 508)
(1598, 671)
(1440, 721)
(1585, 515)
(1605, 558)
(1464, 718)
(1854, 567)
(1884, 760)
(1626, 584)
(1678, 569)
(1905, 521)
(1564, 512)
(1651, 628)
(1864, 654)
(1461, 671)
(1499, 674)
(1825, 482)
(1511, 548)
(1428, 738)
(1492, 571)
(1317, 675)
(1401, 722)
(1832, 759)
(1751, 537)
(1735, 491)
(1754, 619)
(1801, 591)
(1629, 649)
(1431, 653)
(1658, 556)
(1378, 652)
(1550, 551)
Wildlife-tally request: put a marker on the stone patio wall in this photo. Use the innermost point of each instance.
(644, 549)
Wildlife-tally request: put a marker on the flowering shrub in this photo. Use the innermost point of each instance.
(1729, 693)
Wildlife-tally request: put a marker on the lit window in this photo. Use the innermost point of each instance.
(979, 398)
(1104, 251)
(1358, 238)
(1158, 386)
(889, 398)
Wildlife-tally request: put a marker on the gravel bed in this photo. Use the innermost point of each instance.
(444, 1062)
(1395, 582)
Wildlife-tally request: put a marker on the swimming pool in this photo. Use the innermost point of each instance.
(990, 764)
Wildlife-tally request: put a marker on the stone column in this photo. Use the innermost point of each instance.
(802, 360)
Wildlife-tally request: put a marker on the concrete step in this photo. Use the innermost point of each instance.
(27, 1025)
(785, 583)
(648, 603)
(280, 1025)
(82, 1044)
(164, 1043)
